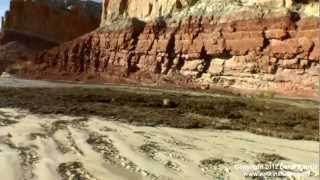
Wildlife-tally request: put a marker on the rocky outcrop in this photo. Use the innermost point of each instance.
(16, 47)
(147, 10)
(11, 53)
(144, 10)
(32, 26)
(248, 49)
(50, 20)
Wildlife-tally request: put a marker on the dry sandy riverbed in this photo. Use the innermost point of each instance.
(37, 143)
(59, 147)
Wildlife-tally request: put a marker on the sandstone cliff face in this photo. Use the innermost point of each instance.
(145, 10)
(148, 10)
(49, 21)
(246, 49)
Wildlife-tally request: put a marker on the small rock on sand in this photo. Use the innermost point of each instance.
(5, 75)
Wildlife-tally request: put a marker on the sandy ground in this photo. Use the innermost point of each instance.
(50, 147)
(61, 147)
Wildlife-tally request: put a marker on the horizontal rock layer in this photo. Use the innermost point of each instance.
(275, 54)
(51, 23)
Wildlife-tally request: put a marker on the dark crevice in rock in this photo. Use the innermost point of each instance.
(138, 27)
(123, 6)
(171, 50)
(266, 41)
(160, 26)
(179, 4)
(225, 55)
(206, 63)
(150, 9)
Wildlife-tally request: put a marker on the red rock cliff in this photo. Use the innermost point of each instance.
(277, 51)
(48, 22)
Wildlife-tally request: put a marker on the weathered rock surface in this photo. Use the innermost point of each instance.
(241, 59)
(146, 10)
(31, 26)
(15, 48)
(246, 47)
(10, 53)
(51, 20)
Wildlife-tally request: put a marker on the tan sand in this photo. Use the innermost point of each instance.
(36, 146)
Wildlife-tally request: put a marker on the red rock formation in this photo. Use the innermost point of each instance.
(49, 23)
(271, 53)
(31, 26)
(16, 47)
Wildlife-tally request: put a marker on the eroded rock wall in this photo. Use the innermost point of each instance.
(49, 21)
(274, 53)
(148, 10)
(143, 9)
